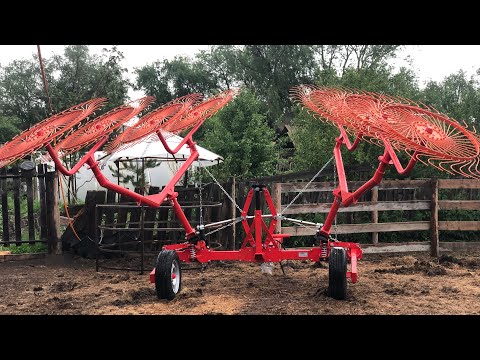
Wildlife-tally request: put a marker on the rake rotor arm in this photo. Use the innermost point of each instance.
(89, 159)
(83, 160)
(169, 188)
(346, 140)
(346, 198)
(396, 161)
(341, 194)
(167, 147)
(186, 140)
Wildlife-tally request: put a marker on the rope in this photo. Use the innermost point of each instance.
(224, 191)
(45, 85)
(44, 80)
(305, 187)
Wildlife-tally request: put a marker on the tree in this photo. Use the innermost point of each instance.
(169, 79)
(22, 94)
(456, 96)
(82, 76)
(150, 78)
(74, 77)
(8, 128)
(221, 64)
(240, 134)
(270, 71)
(340, 58)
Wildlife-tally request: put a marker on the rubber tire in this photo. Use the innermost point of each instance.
(163, 276)
(337, 274)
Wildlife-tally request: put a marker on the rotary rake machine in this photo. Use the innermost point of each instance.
(396, 124)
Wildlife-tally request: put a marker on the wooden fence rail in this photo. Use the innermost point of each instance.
(429, 203)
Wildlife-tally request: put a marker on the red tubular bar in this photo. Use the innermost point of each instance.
(327, 226)
(258, 234)
(374, 181)
(342, 180)
(169, 188)
(350, 147)
(353, 265)
(82, 161)
(153, 200)
(347, 198)
(395, 160)
(167, 147)
(342, 195)
(102, 180)
(181, 216)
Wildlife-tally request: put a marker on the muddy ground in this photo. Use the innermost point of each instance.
(388, 284)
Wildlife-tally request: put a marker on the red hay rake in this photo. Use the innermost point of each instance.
(397, 124)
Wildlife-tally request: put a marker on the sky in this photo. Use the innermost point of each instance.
(430, 62)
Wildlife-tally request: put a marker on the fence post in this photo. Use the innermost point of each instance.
(16, 205)
(277, 201)
(434, 245)
(28, 175)
(42, 198)
(53, 213)
(375, 213)
(6, 230)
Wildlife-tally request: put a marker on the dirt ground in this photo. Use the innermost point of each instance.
(388, 284)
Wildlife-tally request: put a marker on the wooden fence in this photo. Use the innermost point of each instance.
(29, 187)
(429, 201)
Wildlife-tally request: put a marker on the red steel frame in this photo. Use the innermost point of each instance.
(260, 244)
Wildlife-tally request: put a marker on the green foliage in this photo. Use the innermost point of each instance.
(457, 96)
(169, 79)
(25, 248)
(9, 127)
(270, 71)
(82, 76)
(22, 94)
(240, 134)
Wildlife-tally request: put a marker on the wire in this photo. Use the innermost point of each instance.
(224, 191)
(305, 187)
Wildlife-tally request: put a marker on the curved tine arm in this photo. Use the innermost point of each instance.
(350, 147)
(82, 161)
(185, 140)
(396, 162)
(104, 182)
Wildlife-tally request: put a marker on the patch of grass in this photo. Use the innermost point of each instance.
(25, 248)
